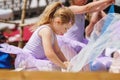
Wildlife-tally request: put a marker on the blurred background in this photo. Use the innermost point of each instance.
(17, 16)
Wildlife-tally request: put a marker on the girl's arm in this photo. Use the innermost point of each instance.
(91, 7)
(46, 36)
(59, 52)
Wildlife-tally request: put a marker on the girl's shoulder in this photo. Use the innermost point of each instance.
(44, 26)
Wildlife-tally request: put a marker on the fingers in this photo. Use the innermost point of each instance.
(66, 63)
(112, 1)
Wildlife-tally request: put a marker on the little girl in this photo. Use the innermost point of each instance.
(41, 51)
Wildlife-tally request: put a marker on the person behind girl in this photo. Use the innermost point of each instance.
(102, 59)
(73, 41)
(42, 52)
(96, 16)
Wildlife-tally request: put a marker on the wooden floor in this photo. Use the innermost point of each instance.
(25, 75)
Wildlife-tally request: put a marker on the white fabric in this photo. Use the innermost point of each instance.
(35, 2)
(108, 51)
(6, 13)
(68, 52)
(117, 2)
(115, 67)
(6, 25)
(100, 39)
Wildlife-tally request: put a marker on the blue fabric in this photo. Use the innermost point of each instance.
(112, 9)
(109, 19)
(5, 62)
(97, 66)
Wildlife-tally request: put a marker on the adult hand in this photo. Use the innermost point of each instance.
(112, 1)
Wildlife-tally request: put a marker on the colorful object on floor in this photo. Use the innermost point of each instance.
(5, 61)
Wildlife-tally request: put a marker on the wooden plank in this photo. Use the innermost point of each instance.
(9, 22)
(71, 76)
(38, 75)
(10, 75)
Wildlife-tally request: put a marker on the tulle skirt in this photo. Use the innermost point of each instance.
(27, 62)
(69, 46)
(101, 64)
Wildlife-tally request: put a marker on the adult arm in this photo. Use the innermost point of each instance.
(59, 52)
(93, 20)
(91, 7)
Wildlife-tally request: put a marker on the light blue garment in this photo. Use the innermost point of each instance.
(112, 9)
(109, 18)
(98, 42)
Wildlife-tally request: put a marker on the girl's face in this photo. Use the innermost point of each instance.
(79, 2)
(60, 28)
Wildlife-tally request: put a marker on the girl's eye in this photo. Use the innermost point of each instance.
(65, 28)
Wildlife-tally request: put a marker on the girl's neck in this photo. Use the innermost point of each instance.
(51, 26)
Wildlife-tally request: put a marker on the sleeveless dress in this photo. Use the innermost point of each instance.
(33, 56)
(76, 32)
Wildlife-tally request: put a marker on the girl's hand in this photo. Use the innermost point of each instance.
(66, 63)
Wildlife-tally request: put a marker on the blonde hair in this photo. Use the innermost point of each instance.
(53, 10)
